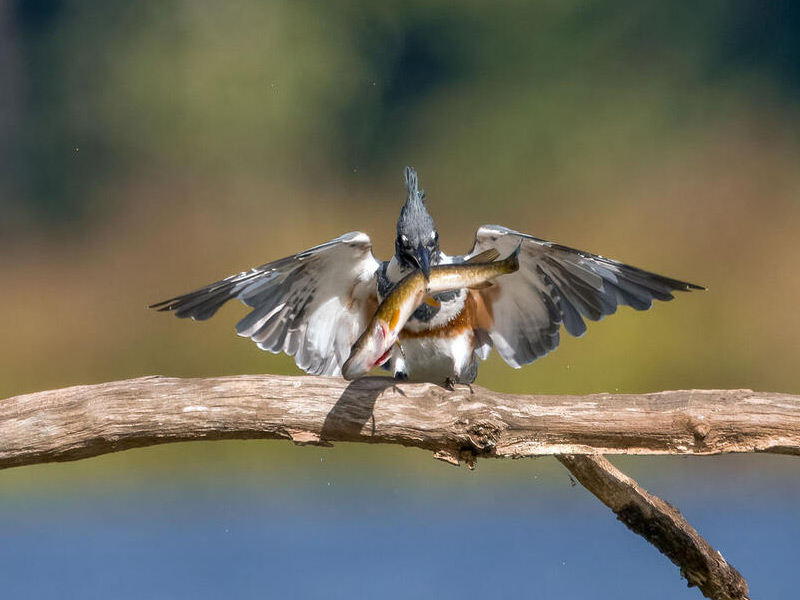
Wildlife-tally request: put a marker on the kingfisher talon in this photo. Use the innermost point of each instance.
(320, 303)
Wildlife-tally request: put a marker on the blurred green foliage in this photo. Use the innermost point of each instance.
(151, 147)
(308, 90)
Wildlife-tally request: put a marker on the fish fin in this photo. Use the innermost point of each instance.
(431, 301)
(485, 256)
(480, 285)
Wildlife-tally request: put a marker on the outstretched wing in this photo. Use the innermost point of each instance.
(554, 285)
(311, 305)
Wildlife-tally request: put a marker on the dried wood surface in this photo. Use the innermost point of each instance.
(661, 524)
(83, 421)
(456, 425)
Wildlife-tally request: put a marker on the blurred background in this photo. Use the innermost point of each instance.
(153, 147)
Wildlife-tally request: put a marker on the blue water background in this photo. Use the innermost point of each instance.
(331, 526)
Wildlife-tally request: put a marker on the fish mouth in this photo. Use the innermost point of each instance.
(384, 357)
(358, 364)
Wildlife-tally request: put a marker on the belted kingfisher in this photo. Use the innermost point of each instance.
(314, 305)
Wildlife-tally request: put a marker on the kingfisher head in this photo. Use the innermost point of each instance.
(417, 243)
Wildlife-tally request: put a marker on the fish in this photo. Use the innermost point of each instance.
(374, 346)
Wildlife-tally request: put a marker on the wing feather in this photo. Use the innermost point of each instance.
(311, 305)
(557, 284)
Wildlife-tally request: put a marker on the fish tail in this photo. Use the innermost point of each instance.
(511, 262)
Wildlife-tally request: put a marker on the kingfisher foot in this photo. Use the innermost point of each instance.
(451, 382)
(398, 377)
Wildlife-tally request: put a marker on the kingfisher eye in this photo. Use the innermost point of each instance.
(403, 239)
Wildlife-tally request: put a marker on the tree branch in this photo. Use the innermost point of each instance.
(458, 425)
(661, 524)
(84, 421)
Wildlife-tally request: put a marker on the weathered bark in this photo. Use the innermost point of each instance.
(84, 421)
(457, 425)
(660, 524)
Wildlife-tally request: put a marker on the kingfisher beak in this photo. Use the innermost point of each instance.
(423, 259)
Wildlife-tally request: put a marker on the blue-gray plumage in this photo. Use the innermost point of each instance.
(314, 305)
(417, 242)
